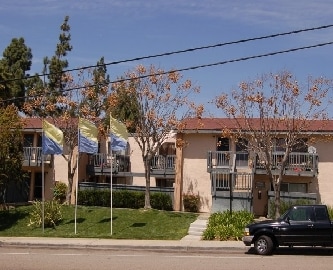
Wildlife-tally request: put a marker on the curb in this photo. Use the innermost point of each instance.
(183, 246)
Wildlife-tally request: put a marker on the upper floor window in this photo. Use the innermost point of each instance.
(279, 145)
(222, 144)
(28, 140)
(167, 149)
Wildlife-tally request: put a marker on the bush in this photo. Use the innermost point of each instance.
(191, 203)
(60, 192)
(161, 201)
(52, 214)
(124, 199)
(227, 225)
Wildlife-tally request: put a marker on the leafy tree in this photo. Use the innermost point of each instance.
(161, 102)
(276, 106)
(15, 63)
(11, 149)
(58, 63)
(126, 106)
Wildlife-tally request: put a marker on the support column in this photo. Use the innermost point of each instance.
(178, 188)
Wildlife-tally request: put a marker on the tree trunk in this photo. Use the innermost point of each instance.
(147, 176)
(277, 202)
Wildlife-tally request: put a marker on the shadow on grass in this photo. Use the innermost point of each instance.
(137, 225)
(78, 220)
(105, 220)
(10, 218)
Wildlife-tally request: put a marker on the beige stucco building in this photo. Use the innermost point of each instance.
(208, 165)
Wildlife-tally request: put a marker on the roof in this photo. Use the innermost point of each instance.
(218, 124)
(35, 123)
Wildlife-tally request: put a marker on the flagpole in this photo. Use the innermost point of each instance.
(77, 180)
(43, 184)
(111, 197)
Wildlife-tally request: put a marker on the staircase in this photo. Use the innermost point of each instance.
(197, 228)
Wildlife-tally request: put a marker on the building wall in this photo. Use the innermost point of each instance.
(137, 165)
(325, 178)
(196, 179)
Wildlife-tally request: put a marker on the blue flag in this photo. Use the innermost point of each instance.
(52, 140)
(88, 141)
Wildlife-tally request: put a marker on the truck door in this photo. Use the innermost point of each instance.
(299, 228)
(323, 226)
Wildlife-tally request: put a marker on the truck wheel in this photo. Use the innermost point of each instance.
(264, 245)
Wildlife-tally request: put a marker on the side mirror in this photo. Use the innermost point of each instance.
(287, 220)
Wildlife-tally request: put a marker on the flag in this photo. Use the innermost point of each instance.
(119, 135)
(52, 140)
(88, 142)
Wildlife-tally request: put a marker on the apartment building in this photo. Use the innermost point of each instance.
(218, 169)
(227, 176)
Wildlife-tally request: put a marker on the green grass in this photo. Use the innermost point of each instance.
(94, 222)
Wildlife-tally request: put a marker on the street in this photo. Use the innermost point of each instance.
(85, 259)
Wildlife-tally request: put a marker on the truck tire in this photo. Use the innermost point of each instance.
(264, 245)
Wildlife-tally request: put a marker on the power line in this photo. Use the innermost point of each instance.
(178, 52)
(193, 67)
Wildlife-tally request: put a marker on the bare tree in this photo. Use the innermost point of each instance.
(276, 109)
(162, 102)
(84, 100)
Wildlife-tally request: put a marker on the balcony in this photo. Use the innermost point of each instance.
(32, 156)
(100, 164)
(163, 165)
(226, 160)
(300, 164)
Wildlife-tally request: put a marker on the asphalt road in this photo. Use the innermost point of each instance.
(26, 258)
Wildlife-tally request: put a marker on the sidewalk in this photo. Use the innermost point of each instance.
(110, 244)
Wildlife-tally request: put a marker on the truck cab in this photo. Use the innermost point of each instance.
(300, 225)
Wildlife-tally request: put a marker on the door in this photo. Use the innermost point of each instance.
(298, 227)
(323, 226)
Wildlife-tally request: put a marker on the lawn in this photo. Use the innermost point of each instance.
(94, 222)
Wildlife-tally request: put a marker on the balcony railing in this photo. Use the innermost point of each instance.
(102, 162)
(226, 160)
(163, 164)
(297, 164)
(32, 156)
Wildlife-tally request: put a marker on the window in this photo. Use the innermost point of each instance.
(242, 155)
(321, 214)
(28, 140)
(280, 145)
(222, 144)
(161, 182)
(294, 187)
(300, 146)
(299, 214)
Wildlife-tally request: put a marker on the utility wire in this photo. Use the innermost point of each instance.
(190, 68)
(177, 52)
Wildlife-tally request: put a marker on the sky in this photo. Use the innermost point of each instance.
(126, 29)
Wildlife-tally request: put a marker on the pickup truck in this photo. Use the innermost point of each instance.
(300, 225)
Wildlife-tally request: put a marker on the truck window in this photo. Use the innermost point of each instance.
(299, 214)
(321, 214)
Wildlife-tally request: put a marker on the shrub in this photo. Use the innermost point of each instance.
(52, 214)
(191, 203)
(60, 192)
(124, 199)
(161, 201)
(227, 225)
